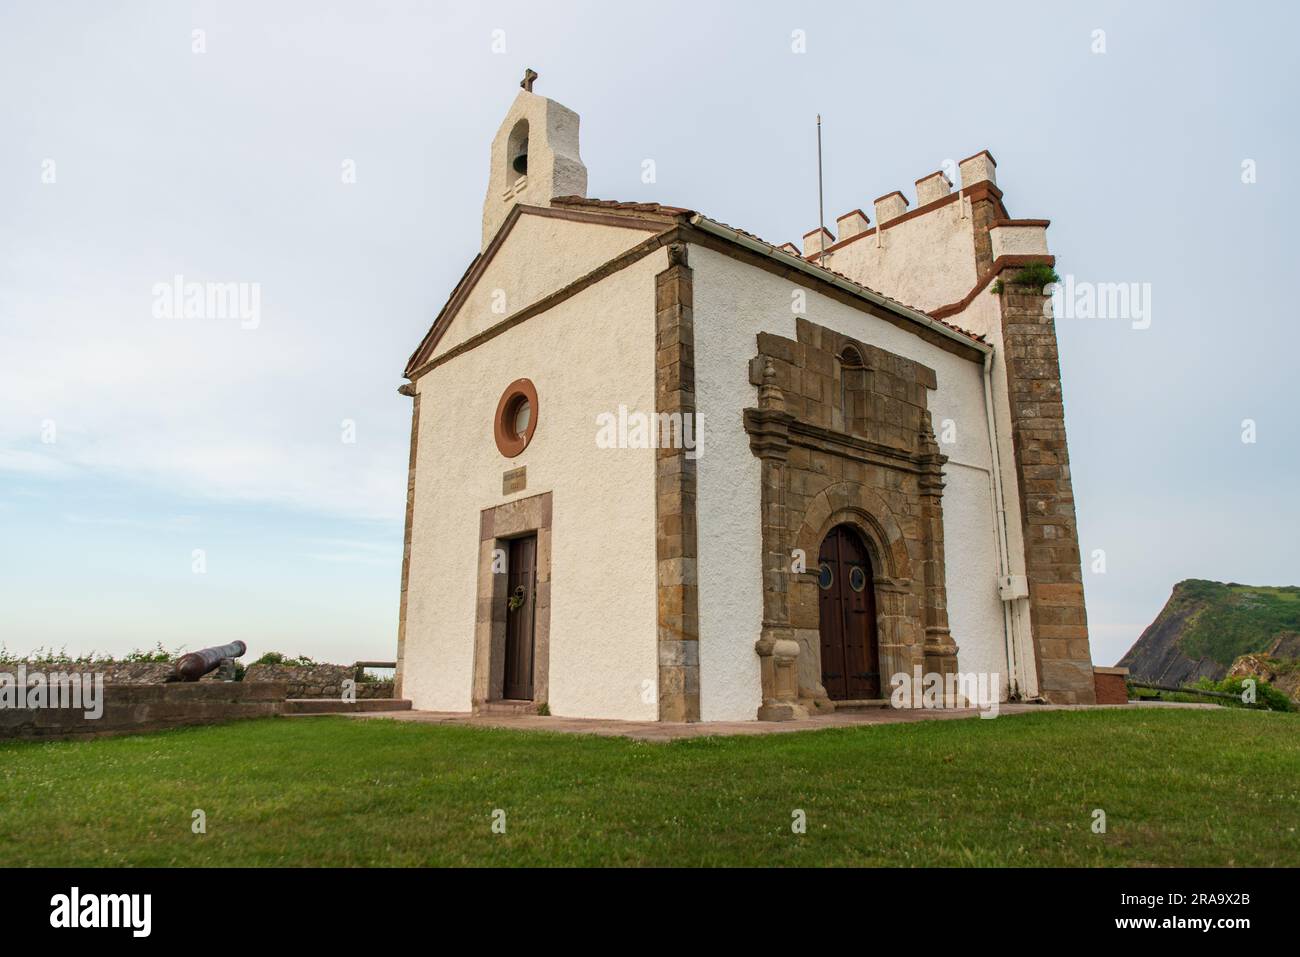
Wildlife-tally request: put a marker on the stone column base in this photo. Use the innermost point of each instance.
(940, 652)
(778, 655)
(781, 711)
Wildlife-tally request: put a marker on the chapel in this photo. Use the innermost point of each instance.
(664, 469)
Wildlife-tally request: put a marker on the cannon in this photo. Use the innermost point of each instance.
(196, 664)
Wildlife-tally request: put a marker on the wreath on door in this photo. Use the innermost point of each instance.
(517, 599)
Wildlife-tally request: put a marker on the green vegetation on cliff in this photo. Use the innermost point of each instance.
(1234, 619)
(1207, 626)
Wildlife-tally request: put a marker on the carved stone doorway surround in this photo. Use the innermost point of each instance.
(496, 527)
(884, 478)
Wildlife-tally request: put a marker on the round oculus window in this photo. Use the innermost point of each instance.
(516, 418)
(825, 577)
(857, 578)
(523, 414)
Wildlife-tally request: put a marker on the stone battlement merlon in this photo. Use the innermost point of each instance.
(852, 223)
(933, 187)
(936, 253)
(932, 190)
(816, 240)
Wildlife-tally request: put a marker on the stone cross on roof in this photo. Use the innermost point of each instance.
(529, 76)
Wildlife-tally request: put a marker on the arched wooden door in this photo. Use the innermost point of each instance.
(847, 609)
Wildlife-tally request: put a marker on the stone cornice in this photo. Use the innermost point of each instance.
(848, 445)
(769, 433)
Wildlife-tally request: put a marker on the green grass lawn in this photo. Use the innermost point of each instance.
(1179, 787)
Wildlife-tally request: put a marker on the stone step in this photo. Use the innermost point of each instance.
(507, 706)
(861, 704)
(338, 706)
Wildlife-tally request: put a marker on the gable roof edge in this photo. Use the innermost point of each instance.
(478, 265)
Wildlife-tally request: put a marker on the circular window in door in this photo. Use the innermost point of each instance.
(516, 418)
(825, 577)
(857, 578)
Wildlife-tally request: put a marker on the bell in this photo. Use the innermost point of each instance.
(520, 162)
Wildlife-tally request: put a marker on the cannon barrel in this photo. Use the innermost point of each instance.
(196, 664)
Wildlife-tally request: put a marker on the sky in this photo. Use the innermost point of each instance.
(191, 481)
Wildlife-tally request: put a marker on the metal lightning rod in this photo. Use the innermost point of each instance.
(821, 211)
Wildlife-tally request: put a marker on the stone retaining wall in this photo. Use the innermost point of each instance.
(133, 708)
(318, 681)
(302, 681)
(114, 672)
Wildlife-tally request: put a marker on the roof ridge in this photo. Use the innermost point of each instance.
(621, 205)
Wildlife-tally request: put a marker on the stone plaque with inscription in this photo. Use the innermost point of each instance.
(514, 480)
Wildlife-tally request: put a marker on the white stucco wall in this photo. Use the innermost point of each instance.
(1018, 241)
(587, 355)
(540, 255)
(983, 317)
(733, 303)
(928, 261)
(925, 262)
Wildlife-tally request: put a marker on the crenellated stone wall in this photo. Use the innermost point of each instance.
(942, 257)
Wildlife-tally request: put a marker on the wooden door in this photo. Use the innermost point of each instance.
(521, 586)
(847, 610)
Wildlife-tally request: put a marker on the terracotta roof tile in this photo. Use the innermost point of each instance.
(613, 204)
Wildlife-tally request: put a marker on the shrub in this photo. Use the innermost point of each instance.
(1037, 275)
(159, 653)
(50, 656)
(275, 658)
(1266, 696)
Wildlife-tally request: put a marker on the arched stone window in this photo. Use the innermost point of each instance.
(853, 390)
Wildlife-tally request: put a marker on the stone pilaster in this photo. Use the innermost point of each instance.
(675, 485)
(940, 650)
(1058, 618)
(985, 208)
(399, 674)
(899, 634)
(778, 651)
